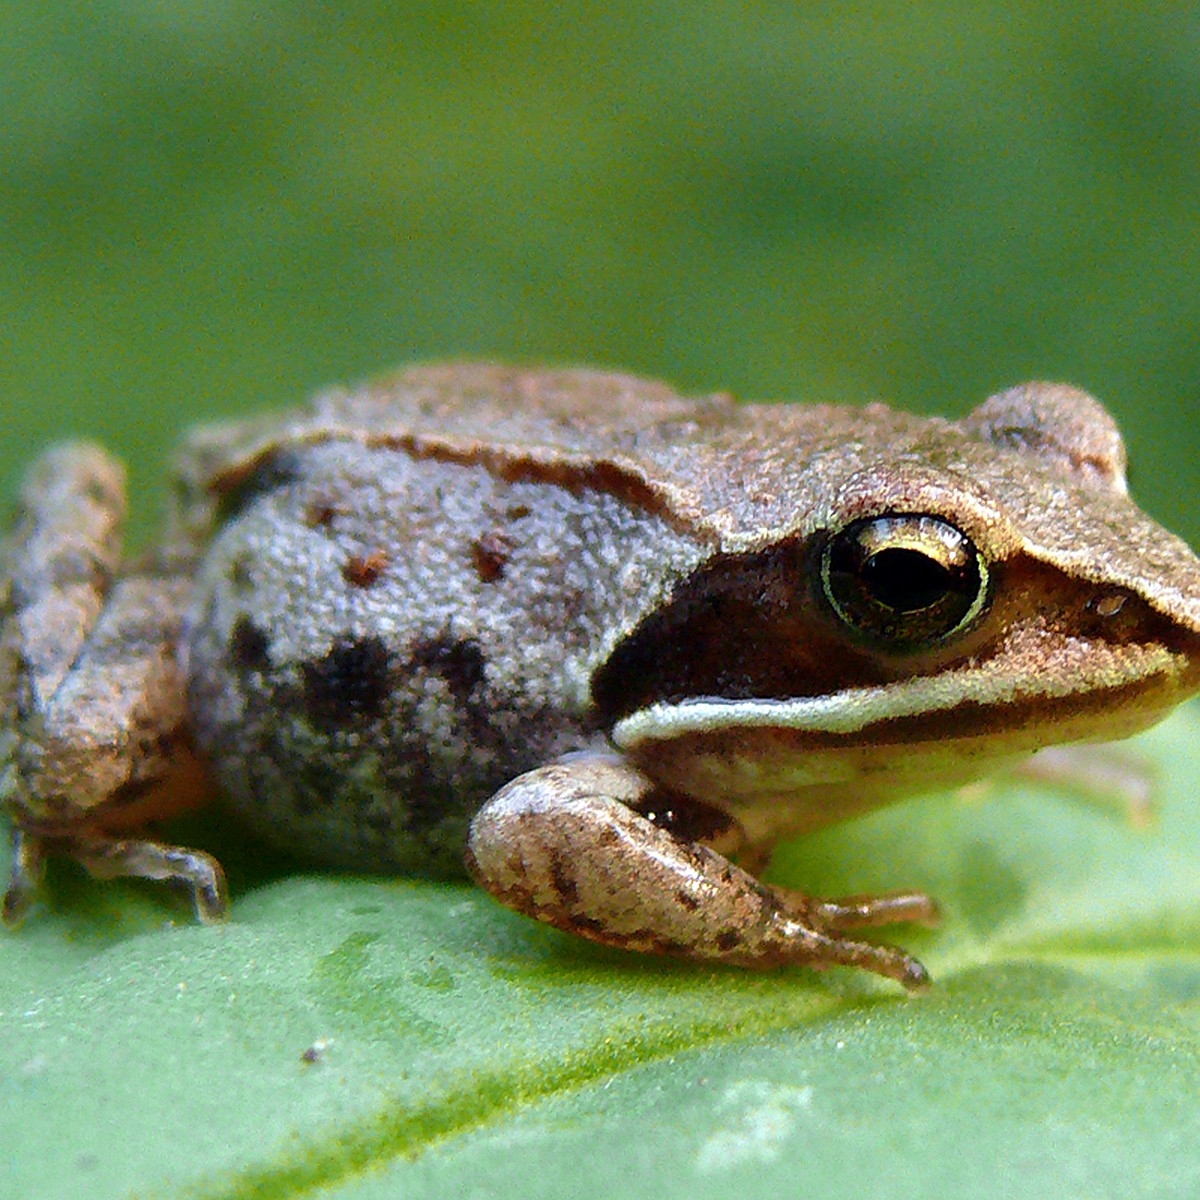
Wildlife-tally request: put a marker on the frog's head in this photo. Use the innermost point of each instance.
(954, 593)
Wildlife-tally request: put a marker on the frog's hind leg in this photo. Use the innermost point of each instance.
(109, 858)
(93, 718)
(566, 844)
(200, 872)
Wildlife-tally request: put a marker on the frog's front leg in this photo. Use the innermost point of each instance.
(566, 844)
(92, 707)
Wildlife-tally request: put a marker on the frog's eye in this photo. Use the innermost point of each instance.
(904, 580)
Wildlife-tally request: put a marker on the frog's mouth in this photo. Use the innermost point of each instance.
(1081, 691)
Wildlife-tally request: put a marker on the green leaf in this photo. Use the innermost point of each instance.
(461, 1050)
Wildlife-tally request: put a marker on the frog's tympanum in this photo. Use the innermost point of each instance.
(595, 641)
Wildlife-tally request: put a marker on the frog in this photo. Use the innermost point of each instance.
(596, 644)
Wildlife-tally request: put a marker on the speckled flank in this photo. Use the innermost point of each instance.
(248, 645)
(367, 723)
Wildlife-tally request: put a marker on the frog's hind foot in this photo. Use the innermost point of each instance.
(199, 872)
(105, 858)
(564, 845)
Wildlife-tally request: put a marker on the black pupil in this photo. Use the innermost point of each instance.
(905, 580)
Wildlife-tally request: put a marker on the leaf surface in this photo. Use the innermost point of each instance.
(461, 1050)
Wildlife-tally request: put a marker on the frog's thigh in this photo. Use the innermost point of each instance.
(91, 695)
(564, 845)
(63, 550)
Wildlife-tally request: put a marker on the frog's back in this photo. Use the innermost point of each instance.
(737, 476)
(723, 471)
(581, 413)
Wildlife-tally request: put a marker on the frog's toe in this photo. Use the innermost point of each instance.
(865, 912)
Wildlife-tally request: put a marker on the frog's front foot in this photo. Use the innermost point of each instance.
(566, 844)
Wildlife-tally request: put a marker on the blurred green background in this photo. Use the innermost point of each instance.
(212, 207)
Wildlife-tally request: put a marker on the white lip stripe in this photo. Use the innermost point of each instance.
(857, 708)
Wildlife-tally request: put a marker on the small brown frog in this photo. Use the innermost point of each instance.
(597, 640)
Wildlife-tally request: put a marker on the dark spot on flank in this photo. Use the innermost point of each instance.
(490, 554)
(728, 940)
(239, 573)
(248, 645)
(459, 661)
(687, 900)
(349, 684)
(564, 881)
(518, 512)
(363, 571)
